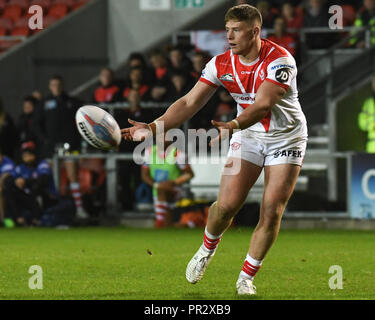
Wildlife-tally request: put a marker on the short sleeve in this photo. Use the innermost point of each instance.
(282, 71)
(209, 74)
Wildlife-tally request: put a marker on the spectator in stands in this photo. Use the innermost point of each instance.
(17, 204)
(203, 116)
(179, 61)
(293, 18)
(200, 59)
(165, 169)
(37, 95)
(25, 120)
(137, 59)
(129, 171)
(225, 106)
(268, 15)
(55, 127)
(366, 17)
(160, 66)
(316, 15)
(181, 84)
(108, 90)
(7, 174)
(8, 133)
(136, 83)
(281, 37)
(37, 176)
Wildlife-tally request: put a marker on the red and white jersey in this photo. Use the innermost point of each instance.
(274, 64)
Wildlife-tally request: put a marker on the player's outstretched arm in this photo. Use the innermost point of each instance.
(180, 111)
(267, 96)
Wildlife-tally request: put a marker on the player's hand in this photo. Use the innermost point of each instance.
(138, 132)
(225, 131)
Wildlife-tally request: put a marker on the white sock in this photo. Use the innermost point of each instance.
(250, 267)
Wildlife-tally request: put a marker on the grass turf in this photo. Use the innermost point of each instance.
(114, 263)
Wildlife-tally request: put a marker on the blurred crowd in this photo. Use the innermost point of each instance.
(46, 125)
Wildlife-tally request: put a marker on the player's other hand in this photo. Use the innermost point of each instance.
(138, 132)
(225, 131)
(167, 185)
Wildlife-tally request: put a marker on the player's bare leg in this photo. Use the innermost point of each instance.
(279, 184)
(234, 189)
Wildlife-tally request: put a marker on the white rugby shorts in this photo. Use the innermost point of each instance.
(264, 153)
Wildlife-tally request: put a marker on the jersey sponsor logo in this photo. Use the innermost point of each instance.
(241, 98)
(235, 146)
(247, 72)
(279, 66)
(227, 77)
(282, 75)
(288, 153)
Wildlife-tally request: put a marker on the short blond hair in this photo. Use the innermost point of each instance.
(244, 12)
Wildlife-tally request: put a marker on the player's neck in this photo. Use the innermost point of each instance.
(253, 53)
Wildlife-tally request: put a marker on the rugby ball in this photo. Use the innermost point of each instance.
(98, 127)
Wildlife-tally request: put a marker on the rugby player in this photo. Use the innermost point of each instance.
(261, 77)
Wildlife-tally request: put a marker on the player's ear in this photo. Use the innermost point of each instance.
(256, 31)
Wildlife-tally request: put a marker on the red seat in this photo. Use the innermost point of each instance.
(3, 31)
(2, 4)
(12, 12)
(22, 22)
(24, 4)
(58, 10)
(68, 3)
(6, 23)
(20, 31)
(45, 4)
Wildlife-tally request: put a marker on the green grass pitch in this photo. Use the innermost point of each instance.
(125, 263)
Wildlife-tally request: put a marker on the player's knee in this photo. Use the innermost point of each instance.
(272, 214)
(225, 211)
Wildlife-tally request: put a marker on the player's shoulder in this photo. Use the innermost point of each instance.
(222, 59)
(273, 52)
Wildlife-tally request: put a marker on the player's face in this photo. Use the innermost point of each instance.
(240, 37)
